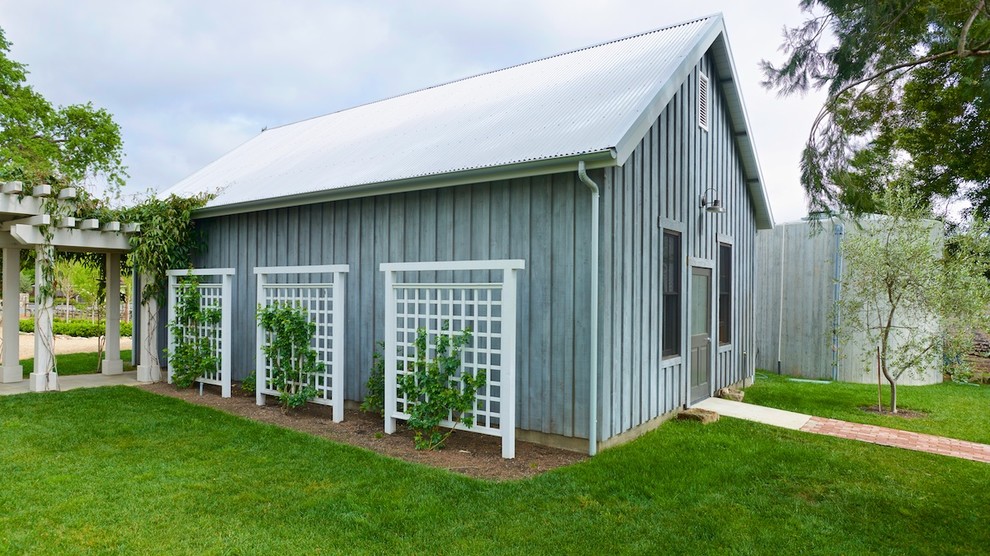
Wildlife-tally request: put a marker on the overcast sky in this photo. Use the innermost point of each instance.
(190, 80)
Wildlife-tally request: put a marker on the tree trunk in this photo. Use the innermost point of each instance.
(886, 374)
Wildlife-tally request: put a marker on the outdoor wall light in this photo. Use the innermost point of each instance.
(714, 205)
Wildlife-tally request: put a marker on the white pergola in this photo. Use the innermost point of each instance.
(21, 217)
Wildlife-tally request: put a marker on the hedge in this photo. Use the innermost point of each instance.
(80, 328)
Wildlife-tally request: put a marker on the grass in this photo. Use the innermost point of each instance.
(954, 410)
(124, 471)
(77, 363)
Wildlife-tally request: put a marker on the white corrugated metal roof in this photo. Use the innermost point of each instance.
(581, 102)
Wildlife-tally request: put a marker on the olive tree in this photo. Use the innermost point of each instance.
(911, 292)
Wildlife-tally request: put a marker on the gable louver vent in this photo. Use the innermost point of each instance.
(703, 101)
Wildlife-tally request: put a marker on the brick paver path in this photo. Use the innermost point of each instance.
(899, 439)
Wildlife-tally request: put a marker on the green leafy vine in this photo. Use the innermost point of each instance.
(436, 392)
(289, 351)
(194, 333)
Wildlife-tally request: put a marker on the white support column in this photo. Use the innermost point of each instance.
(507, 419)
(339, 329)
(150, 369)
(11, 315)
(44, 377)
(112, 364)
(226, 336)
(391, 396)
(260, 378)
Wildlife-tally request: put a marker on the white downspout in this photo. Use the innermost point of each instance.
(839, 231)
(595, 194)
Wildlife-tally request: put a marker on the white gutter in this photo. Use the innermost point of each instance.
(595, 194)
(596, 159)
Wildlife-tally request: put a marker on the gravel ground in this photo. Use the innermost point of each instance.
(65, 344)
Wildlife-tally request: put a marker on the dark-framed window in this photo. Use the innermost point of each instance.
(671, 268)
(724, 293)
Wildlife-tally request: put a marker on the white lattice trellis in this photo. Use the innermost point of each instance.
(324, 302)
(215, 287)
(488, 309)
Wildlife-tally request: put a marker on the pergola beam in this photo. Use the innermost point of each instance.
(15, 205)
(69, 239)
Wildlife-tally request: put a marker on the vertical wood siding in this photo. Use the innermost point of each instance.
(664, 179)
(542, 220)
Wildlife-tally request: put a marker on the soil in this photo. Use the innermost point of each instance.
(467, 453)
(903, 413)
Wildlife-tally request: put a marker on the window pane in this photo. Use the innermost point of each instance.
(724, 294)
(700, 304)
(671, 279)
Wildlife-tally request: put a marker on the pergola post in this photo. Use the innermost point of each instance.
(44, 377)
(150, 369)
(11, 316)
(112, 364)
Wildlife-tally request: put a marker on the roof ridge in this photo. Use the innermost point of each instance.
(521, 64)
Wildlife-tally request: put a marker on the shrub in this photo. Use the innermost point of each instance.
(374, 400)
(250, 383)
(78, 328)
(434, 390)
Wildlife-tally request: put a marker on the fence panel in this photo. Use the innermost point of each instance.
(215, 292)
(488, 309)
(323, 301)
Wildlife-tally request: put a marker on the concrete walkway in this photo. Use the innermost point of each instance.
(758, 413)
(853, 431)
(76, 381)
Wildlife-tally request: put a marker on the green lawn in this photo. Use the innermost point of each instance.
(124, 471)
(955, 410)
(77, 363)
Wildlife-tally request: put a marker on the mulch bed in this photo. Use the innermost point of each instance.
(467, 453)
(903, 413)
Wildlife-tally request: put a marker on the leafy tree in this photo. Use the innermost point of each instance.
(77, 278)
(915, 300)
(906, 80)
(41, 143)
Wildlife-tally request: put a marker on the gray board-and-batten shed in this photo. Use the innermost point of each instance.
(488, 168)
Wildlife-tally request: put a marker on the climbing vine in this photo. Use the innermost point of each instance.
(45, 273)
(194, 332)
(289, 350)
(168, 238)
(435, 390)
